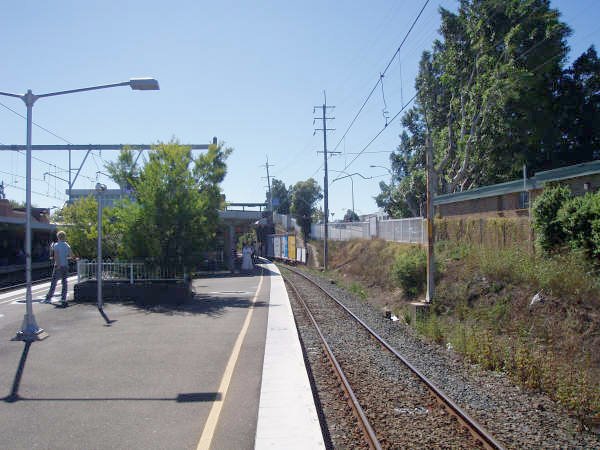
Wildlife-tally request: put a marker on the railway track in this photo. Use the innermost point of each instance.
(12, 285)
(393, 405)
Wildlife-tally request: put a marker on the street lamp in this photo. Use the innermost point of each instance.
(29, 329)
(100, 190)
(388, 171)
(349, 175)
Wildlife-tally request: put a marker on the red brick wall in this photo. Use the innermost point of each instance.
(508, 205)
(498, 206)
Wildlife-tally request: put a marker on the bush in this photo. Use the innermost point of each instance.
(579, 218)
(410, 271)
(548, 229)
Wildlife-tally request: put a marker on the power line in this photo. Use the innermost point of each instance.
(378, 134)
(13, 174)
(34, 192)
(51, 164)
(39, 126)
(49, 132)
(381, 75)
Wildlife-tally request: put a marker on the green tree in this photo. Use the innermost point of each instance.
(351, 216)
(304, 196)
(407, 197)
(486, 94)
(177, 200)
(124, 171)
(281, 197)
(578, 111)
(81, 223)
(209, 172)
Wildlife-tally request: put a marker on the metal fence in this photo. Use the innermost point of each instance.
(341, 231)
(286, 222)
(411, 230)
(126, 271)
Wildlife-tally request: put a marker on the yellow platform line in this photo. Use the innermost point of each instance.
(215, 411)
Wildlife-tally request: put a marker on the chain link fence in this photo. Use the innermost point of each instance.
(412, 230)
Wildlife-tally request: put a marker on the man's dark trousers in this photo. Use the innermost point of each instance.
(59, 271)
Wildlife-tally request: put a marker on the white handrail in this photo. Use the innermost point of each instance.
(127, 271)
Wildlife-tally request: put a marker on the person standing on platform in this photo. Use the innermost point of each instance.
(247, 265)
(61, 253)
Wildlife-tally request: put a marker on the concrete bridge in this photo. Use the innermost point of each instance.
(239, 218)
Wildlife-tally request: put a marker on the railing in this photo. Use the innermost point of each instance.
(126, 271)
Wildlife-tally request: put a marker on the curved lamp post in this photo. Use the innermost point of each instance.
(349, 175)
(30, 331)
(388, 171)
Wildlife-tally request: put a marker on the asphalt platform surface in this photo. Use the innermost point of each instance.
(147, 381)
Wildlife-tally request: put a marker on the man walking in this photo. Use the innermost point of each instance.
(60, 252)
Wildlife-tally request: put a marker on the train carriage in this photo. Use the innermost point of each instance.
(285, 247)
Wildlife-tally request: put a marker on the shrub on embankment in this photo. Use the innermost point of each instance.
(483, 308)
(561, 220)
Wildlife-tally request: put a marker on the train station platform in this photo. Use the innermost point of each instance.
(225, 371)
(287, 416)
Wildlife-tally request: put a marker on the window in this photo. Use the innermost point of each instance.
(523, 200)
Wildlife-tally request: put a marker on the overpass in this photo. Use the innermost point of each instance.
(239, 218)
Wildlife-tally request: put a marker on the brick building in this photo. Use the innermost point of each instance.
(513, 198)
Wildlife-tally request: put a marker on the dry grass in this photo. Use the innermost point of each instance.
(482, 307)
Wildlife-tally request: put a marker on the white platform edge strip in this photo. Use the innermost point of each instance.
(287, 416)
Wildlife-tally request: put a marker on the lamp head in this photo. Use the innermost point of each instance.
(100, 187)
(144, 84)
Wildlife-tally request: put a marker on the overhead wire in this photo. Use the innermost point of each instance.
(429, 31)
(16, 175)
(53, 134)
(381, 75)
(379, 133)
(34, 192)
(496, 64)
(37, 125)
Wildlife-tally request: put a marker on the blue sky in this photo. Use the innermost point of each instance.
(249, 73)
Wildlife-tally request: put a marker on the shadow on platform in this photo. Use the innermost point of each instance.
(192, 397)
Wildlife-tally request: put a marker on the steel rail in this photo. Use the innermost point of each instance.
(476, 430)
(363, 421)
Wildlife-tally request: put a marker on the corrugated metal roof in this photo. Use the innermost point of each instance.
(563, 173)
(510, 187)
(35, 225)
(483, 192)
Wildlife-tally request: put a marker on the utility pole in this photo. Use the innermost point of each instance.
(325, 180)
(430, 214)
(267, 165)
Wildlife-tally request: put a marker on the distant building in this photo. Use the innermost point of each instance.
(109, 197)
(512, 199)
(12, 236)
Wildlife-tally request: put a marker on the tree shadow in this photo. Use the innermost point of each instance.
(190, 302)
(210, 305)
